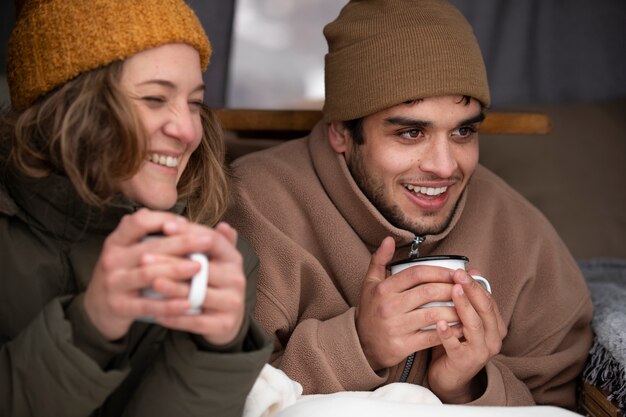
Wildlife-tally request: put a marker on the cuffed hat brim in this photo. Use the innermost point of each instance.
(386, 52)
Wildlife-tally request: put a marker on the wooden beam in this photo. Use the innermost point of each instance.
(594, 402)
(242, 120)
(516, 123)
(253, 120)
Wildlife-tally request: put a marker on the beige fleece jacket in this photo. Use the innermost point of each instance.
(314, 232)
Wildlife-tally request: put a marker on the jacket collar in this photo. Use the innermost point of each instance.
(51, 204)
(358, 211)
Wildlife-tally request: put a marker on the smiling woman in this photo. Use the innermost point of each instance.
(168, 99)
(101, 148)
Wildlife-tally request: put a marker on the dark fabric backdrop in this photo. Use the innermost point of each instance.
(551, 51)
(536, 51)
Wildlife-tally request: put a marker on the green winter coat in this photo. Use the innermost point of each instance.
(53, 362)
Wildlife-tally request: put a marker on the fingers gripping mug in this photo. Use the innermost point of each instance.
(197, 288)
(452, 262)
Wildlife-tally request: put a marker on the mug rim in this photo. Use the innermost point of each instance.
(429, 258)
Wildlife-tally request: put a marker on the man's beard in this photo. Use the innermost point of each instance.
(375, 194)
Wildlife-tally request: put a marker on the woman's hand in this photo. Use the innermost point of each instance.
(127, 265)
(223, 309)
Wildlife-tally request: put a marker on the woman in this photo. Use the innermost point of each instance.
(106, 142)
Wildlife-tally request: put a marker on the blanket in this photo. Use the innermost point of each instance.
(606, 367)
(274, 394)
(274, 391)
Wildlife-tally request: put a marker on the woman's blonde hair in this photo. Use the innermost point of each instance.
(89, 130)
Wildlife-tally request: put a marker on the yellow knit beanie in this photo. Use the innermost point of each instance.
(385, 52)
(53, 41)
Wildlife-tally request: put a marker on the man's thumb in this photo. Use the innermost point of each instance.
(380, 258)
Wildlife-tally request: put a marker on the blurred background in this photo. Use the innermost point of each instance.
(270, 53)
(565, 58)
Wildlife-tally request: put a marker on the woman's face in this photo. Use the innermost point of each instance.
(165, 83)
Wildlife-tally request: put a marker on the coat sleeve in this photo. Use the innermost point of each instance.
(52, 361)
(42, 371)
(318, 349)
(549, 336)
(191, 380)
(547, 375)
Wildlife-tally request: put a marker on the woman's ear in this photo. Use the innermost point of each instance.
(338, 137)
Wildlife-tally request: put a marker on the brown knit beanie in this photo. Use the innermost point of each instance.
(385, 52)
(53, 41)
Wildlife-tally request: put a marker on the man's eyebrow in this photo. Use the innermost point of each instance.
(410, 122)
(170, 85)
(476, 119)
(407, 122)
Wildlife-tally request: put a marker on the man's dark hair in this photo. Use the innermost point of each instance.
(355, 127)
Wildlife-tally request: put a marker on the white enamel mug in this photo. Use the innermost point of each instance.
(197, 288)
(453, 262)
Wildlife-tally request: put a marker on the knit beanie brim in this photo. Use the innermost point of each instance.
(386, 52)
(54, 41)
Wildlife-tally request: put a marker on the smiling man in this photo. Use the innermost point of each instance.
(393, 170)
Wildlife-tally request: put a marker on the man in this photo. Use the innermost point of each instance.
(392, 168)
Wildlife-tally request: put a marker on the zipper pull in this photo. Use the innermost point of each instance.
(414, 251)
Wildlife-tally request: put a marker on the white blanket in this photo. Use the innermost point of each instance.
(272, 391)
(274, 394)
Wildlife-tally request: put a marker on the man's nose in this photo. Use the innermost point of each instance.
(439, 158)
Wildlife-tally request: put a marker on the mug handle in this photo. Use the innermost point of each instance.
(197, 290)
(483, 281)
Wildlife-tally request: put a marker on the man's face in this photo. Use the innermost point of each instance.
(416, 160)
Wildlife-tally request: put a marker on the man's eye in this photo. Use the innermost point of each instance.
(466, 131)
(411, 134)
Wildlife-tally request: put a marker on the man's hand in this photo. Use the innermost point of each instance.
(453, 371)
(388, 318)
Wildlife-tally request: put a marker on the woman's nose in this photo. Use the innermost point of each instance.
(183, 125)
